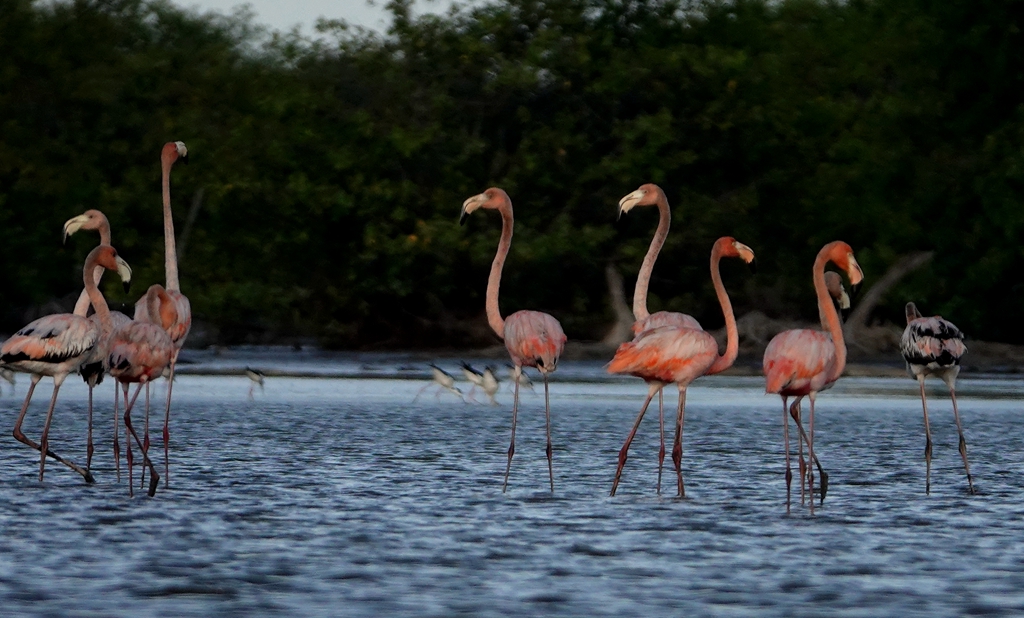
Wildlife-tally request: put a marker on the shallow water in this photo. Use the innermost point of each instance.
(342, 497)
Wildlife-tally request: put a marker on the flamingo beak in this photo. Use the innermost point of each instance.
(470, 205)
(125, 272)
(73, 225)
(628, 202)
(747, 255)
(182, 152)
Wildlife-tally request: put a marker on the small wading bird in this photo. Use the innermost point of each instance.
(676, 354)
(485, 380)
(257, 377)
(532, 338)
(474, 377)
(490, 384)
(803, 362)
(652, 195)
(58, 345)
(444, 381)
(518, 377)
(933, 346)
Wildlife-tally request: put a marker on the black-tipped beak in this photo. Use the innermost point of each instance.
(462, 217)
(64, 240)
(753, 265)
(618, 215)
(846, 313)
(184, 158)
(853, 290)
(127, 286)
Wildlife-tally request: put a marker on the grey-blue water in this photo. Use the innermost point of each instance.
(340, 497)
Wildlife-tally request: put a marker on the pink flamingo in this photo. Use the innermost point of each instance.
(652, 195)
(933, 346)
(677, 354)
(803, 362)
(93, 369)
(178, 331)
(532, 338)
(140, 351)
(834, 285)
(58, 345)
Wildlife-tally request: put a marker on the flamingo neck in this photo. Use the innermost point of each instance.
(96, 297)
(82, 305)
(643, 279)
(829, 315)
(732, 337)
(170, 252)
(494, 279)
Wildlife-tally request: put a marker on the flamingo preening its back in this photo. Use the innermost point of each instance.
(58, 345)
(933, 346)
(804, 362)
(532, 338)
(679, 354)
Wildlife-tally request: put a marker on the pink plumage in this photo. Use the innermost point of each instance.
(797, 362)
(534, 339)
(668, 354)
(666, 318)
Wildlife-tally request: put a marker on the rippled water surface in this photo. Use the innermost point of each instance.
(339, 496)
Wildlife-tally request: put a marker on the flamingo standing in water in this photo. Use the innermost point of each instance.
(803, 362)
(933, 346)
(140, 351)
(532, 338)
(652, 195)
(58, 345)
(93, 369)
(178, 331)
(678, 354)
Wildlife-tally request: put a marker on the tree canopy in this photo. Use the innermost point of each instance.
(326, 175)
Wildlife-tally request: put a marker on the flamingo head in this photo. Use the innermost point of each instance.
(107, 257)
(841, 254)
(912, 313)
(89, 220)
(727, 246)
(174, 151)
(493, 198)
(646, 195)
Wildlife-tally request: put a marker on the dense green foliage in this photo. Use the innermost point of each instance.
(329, 176)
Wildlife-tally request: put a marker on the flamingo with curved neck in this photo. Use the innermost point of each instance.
(804, 362)
(58, 345)
(674, 354)
(532, 338)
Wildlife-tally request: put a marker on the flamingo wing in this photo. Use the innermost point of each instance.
(666, 354)
(798, 361)
(51, 340)
(665, 318)
(534, 339)
(138, 350)
(932, 341)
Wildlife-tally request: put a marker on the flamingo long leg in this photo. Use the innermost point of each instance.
(810, 453)
(512, 444)
(661, 426)
(44, 441)
(624, 452)
(822, 475)
(927, 440)
(21, 437)
(547, 420)
(677, 446)
(145, 437)
(167, 423)
(794, 411)
(963, 443)
(785, 448)
(117, 429)
(154, 480)
(128, 457)
(88, 443)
